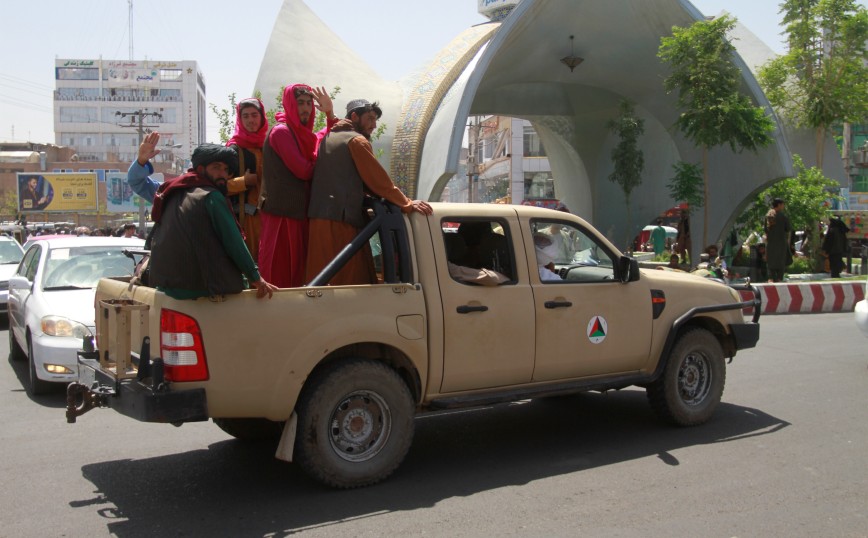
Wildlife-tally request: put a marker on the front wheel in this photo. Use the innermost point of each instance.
(37, 386)
(15, 351)
(355, 424)
(688, 391)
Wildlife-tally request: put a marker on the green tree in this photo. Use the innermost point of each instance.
(807, 196)
(226, 116)
(686, 185)
(628, 159)
(714, 112)
(823, 77)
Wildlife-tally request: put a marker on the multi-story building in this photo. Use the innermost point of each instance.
(505, 161)
(102, 107)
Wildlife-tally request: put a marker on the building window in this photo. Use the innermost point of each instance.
(85, 114)
(170, 75)
(532, 144)
(77, 73)
(76, 94)
(539, 185)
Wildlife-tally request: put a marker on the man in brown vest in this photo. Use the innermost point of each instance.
(197, 249)
(346, 171)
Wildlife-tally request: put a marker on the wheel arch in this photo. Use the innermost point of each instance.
(376, 351)
(709, 323)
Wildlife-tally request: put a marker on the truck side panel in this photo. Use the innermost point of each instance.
(269, 346)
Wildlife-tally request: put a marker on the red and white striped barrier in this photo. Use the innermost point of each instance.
(808, 297)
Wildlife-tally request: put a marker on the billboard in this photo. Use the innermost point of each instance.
(62, 192)
(120, 197)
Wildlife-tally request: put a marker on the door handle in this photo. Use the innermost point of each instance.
(558, 304)
(464, 309)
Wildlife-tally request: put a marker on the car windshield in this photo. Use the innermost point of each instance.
(82, 267)
(10, 252)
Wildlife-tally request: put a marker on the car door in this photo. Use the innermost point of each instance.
(488, 322)
(587, 321)
(18, 296)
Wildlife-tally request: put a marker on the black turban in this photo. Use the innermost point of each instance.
(206, 154)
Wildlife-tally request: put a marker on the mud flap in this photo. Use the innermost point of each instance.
(287, 439)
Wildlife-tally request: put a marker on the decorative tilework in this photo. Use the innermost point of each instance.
(424, 99)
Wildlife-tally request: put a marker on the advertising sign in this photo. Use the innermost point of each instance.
(124, 77)
(64, 192)
(120, 197)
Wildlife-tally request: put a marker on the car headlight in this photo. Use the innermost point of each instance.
(60, 326)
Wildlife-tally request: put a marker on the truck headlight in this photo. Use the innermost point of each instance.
(60, 326)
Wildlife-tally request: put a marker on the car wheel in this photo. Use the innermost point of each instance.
(250, 429)
(15, 351)
(355, 424)
(690, 388)
(37, 386)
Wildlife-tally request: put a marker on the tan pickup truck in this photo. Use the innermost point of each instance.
(466, 315)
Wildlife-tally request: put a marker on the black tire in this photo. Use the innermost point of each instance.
(37, 386)
(355, 424)
(250, 429)
(692, 383)
(15, 351)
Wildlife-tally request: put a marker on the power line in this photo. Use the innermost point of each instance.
(25, 104)
(26, 83)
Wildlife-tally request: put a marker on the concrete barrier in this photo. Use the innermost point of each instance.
(809, 297)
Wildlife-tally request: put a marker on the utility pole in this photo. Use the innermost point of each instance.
(472, 168)
(137, 121)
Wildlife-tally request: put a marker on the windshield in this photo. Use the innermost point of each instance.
(82, 267)
(10, 252)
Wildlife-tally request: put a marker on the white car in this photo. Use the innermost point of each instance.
(51, 302)
(10, 255)
(861, 312)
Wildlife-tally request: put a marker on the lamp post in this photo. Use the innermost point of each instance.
(137, 121)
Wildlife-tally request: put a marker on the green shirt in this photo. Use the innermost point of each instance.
(227, 231)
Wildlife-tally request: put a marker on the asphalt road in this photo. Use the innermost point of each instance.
(785, 455)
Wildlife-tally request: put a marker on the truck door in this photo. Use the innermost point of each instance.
(488, 320)
(587, 322)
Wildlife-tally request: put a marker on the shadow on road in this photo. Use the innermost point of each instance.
(232, 488)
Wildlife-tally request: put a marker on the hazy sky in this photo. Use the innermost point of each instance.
(38, 31)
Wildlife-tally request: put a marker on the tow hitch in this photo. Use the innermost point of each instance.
(80, 399)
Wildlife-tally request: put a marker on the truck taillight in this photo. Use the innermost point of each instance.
(181, 347)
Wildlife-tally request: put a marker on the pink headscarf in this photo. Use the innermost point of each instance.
(307, 140)
(244, 138)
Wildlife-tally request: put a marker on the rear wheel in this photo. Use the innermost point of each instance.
(37, 386)
(355, 424)
(692, 383)
(250, 429)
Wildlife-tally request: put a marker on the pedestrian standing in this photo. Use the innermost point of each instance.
(835, 245)
(779, 254)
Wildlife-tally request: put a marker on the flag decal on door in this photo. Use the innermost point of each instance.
(597, 329)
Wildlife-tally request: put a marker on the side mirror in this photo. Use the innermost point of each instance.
(628, 269)
(19, 283)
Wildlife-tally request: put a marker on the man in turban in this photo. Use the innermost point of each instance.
(197, 249)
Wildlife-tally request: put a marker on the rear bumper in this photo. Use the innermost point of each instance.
(132, 397)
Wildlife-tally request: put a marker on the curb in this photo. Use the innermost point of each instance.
(808, 297)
